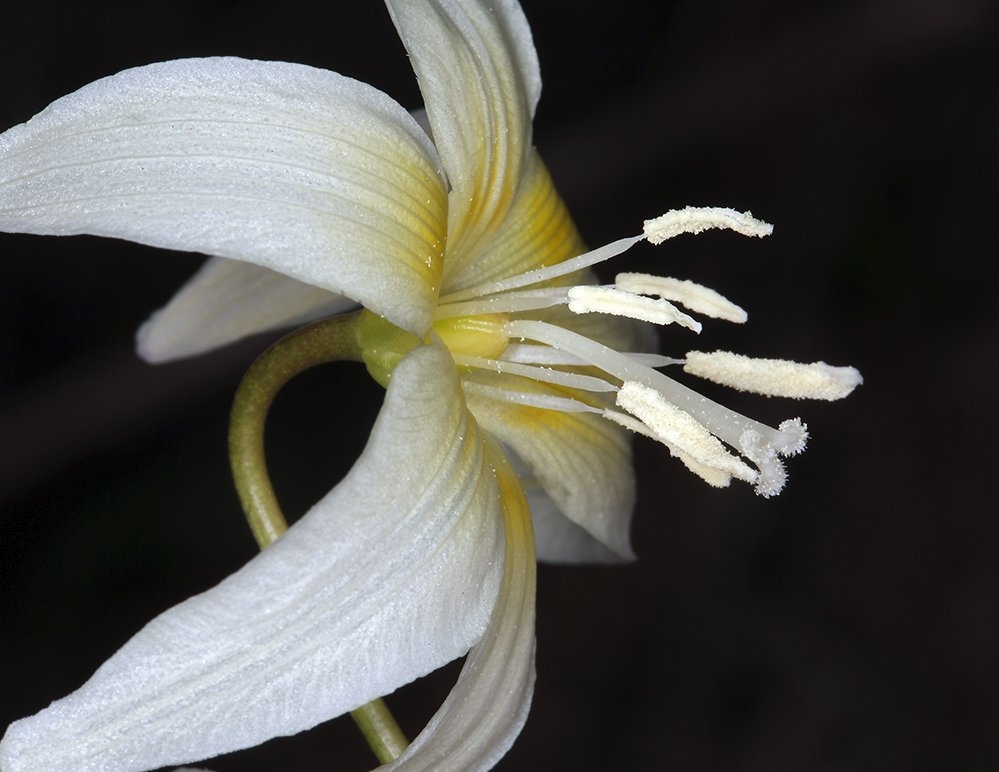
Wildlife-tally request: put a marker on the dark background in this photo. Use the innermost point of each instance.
(850, 624)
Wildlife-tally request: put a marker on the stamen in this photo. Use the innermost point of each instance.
(713, 477)
(543, 374)
(609, 300)
(537, 275)
(532, 354)
(725, 424)
(543, 401)
(678, 429)
(691, 219)
(774, 377)
(696, 297)
(511, 302)
(696, 219)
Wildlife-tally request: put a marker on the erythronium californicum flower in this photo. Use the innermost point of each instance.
(506, 371)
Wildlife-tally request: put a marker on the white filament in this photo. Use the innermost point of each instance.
(547, 273)
(544, 401)
(536, 373)
(511, 302)
(533, 354)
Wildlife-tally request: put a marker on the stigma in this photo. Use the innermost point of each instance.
(513, 341)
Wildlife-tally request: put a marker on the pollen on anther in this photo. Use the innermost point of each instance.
(689, 294)
(678, 429)
(773, 377)
(696, 219)
(609, 300)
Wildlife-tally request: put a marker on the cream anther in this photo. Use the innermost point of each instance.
(696, 297)
(774, 377)
(678, 429)
(608, 300)
(716, 478)
(696, 219)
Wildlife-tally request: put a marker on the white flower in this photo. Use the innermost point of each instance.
(314, 192)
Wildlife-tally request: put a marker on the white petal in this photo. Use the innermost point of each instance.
(226, 301)
(559, 539)
(487, 708)
(479, 75)
(581, 460)
(536, 234)
(377, 585)
(314, 175)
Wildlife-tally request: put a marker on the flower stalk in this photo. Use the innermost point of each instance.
(325, 341)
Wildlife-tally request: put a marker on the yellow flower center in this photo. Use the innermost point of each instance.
(482, 335)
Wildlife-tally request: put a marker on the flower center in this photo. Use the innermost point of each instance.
(512, 347)
(483, 335)
(513, 343)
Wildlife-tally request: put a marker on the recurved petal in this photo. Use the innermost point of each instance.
(559, 539)
(376, 585)
(478, 72)
(581, 460)
(300, 170)
(228, 300)
(486, 710)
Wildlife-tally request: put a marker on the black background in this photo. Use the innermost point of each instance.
(850, 624)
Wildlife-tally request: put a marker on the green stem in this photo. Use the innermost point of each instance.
(329, 340)
(379, 728)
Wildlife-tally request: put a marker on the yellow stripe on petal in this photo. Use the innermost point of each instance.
(478, 72)
(582, 461)
(488, 706)
(538, 232)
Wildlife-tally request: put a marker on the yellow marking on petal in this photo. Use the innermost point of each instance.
(536, 232)
(575, 425)
(516, 512)
(430, 226)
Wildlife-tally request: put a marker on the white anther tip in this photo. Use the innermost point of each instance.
(696, 219)
(696, 297)
(774, 377)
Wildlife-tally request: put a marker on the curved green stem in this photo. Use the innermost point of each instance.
(380, 730)
(329, 340)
